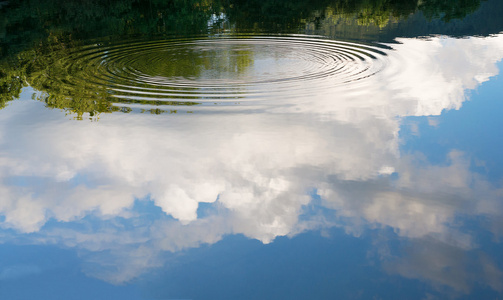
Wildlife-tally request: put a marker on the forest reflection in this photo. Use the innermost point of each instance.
(35, 36)
(32, 20)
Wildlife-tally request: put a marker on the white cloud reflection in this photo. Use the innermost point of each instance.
(256, 167)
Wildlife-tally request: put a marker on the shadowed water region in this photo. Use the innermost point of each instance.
(251, 150)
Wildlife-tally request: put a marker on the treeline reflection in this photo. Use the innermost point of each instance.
(34, 34)
(30, 20)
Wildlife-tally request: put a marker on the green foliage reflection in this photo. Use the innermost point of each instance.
(36, 35)
(448, 10)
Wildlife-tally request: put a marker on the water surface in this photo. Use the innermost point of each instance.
(206, 150)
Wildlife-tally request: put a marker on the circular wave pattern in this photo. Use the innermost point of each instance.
(220, 69)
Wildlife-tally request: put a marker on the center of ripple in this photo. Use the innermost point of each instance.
(226, 63)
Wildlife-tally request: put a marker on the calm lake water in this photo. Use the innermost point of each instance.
(200, 149)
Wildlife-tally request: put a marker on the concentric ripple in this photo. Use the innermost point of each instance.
(203, 69)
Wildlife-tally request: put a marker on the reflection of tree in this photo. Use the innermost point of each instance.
(32, 20)
(26, 21)
(67, 82)
(378, 12)
(35, 35)
(406, 18)
(43, 69)
(38, 34)
(448, 9)
(11, 84)
(272, 15)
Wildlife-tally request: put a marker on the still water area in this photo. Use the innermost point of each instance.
(206, 149)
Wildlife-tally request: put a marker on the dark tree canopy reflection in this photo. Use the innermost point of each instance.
(35, 35)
